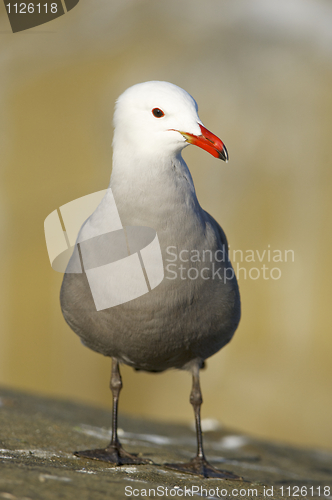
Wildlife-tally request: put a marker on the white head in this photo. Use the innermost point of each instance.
(158, 119)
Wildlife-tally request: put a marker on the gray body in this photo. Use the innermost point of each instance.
(181, 321)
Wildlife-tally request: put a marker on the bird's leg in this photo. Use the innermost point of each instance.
(199, 465)
(115, 386)
(114, 453)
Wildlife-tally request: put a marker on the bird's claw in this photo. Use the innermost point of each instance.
(115, 455)
(201, 467)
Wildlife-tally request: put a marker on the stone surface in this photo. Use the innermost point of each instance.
(38, 436)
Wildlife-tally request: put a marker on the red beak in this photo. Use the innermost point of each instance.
(208, 141)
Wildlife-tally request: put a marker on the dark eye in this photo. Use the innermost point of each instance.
(158, 113)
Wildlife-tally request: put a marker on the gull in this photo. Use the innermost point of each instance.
(195, 309)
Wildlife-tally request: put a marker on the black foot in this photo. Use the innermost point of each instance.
(113, 454)
(200, 467)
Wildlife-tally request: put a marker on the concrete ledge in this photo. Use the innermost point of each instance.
(38, 436)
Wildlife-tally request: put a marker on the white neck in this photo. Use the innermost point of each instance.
(150, 191)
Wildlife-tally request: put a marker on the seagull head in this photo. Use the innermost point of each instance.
(160, 119)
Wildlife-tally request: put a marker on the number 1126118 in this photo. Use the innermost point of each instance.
(30, 8)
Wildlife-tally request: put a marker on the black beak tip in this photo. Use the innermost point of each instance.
(223, 155)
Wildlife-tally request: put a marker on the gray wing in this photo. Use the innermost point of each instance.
(218, 230)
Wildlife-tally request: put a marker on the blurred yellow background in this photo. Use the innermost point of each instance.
(261, 72)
